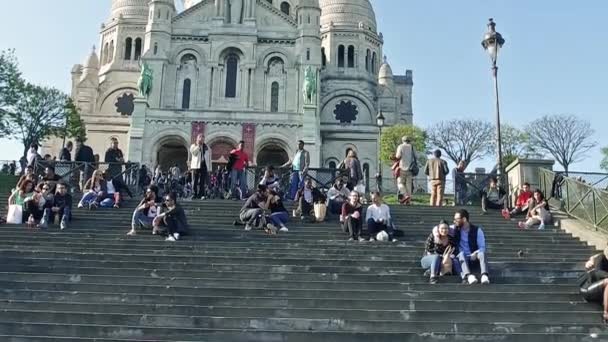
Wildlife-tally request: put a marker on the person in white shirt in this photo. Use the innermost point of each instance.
(406, 156)
(32, 154)
(337, 195)
(200, 163)
(378, 217)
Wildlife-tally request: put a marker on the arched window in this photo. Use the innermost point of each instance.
(158, 14)
(374, 61)
(155, 48)
(111, 52)
(104, 54)
(274, 97)
(341, 56)
(186, 94)
(307, 54)
(232, 65)
(351, 56)
(285, 7)
(128, 48)
(188, 59)
(137, 49)
(368, 60)
(332, 165)
(323, 57)
(401, 99)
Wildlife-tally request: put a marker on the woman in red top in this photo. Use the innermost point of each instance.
(237, 173)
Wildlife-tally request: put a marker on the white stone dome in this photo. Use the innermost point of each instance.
(385, 70)
(353, 13)
(92, 62)
(130, 9)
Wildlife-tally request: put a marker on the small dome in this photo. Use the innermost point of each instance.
(353, 13)
(385, 70)
(92, 61)
(130, 9)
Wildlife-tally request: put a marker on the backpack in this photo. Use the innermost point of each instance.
(231, 160)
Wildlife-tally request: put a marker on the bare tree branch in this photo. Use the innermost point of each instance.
(466, 140)
(566, 137)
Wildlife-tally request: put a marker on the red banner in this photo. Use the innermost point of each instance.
(198, 127)
(249, 139)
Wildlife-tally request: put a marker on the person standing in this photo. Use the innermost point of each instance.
(114, 157)
(436, 169)
(354, 172)
(32, 154)
(238, 174)
(85, 158)
(299, 168)
(200, 163)
(407, 159)
(66, 152)
(460, 183)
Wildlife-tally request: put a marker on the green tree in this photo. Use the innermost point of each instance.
(391, 139)
(566, 137)
(38, 113)
(10, 83)
(463, 139)
(515, 144)
(74, 125)
(604, 163)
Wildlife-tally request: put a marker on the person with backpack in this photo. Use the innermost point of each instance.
(408, 168)
(436, 169)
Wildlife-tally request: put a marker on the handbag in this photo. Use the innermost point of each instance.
(446, 261)
(414, 169)
(320, 211)
(15, 214)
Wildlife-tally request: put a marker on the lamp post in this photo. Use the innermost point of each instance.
(492, 42)
(380, 122)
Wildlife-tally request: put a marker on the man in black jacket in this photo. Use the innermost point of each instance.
(66, 152)
(115, 157)
(61, 206)
(84, 155)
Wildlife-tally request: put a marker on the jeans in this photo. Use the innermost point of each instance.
(140, 219)
(250, 216)
(432, 262)
(296, 184)
(241, 178)
(373, 228)
(279, 219)
(335, 207)
(487, 204)
(466, 260)
(87, 199)
(200, 177)
(108, 200)
(352, 226)
(65, 214)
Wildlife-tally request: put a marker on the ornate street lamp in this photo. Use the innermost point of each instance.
(380, 122)
(492, 42)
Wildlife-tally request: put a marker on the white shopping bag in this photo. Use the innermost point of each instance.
(15, 214)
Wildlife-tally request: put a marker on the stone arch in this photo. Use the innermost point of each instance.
(112, 94)
(165, 136)
(330, 160)
(328, 100)
(349, 146)
(220, 149)
(272, 151)
(272, 52)
(170, 150)
(226, 48)
(186, 49)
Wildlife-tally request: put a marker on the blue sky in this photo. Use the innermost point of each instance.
(555, 60)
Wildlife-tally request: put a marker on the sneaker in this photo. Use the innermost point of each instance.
(427, 273)
(132, 232)
(371, 239)
(284, 229)
(248, 227)
(506, 214)
(433, 280)
(472, 279)
(43, 224)
(63, 225)
(176, 236)
(394, 240)
(541, 227)
(80, 206)
(485, 279)
(170, 238)
(362, 239)
(351, 239)
(116, 206)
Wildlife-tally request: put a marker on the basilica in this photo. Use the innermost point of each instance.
(269, 72)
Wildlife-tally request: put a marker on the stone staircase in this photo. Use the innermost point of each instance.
(93, 283)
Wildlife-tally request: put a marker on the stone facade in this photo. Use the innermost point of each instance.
(234, 69)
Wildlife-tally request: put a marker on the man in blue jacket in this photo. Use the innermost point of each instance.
(472, 248)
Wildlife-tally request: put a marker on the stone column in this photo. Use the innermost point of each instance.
(311, 134)
(526, 171)
(136, 132)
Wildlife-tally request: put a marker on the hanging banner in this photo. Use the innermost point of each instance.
(249, 139)
(198, 127)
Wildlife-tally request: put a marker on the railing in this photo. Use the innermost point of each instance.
(468, 187)
(594, 179)
(321, 177)
(578, 199)
(10, 167)
(75, 174)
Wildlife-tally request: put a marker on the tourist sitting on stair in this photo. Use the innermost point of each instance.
(493, 197)
(378, 218)
(337, 195)
(307, 198)
(28, 175)
(252, 213)
(146, 211)
(61, 206)
(93, 187)
(522, 203)
(351, 217)
(593, 285)
(270, 180)
(440, 252)
(21, 196)
(172, 221)
(538, 214)
(278, 214)
(472, 247)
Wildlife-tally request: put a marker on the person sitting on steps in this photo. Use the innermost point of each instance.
(278, 214)
(146, 211)
(436, 245)
(522, 203)
(306, 199)
(252, 212)
(173, 220)
(539, 213)
(270, 180)
(61, 205)
(351, 217)
(94, 187)
(593, 284)
(493, 197)
(337, 196)
(472, 247)
(378, 218)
